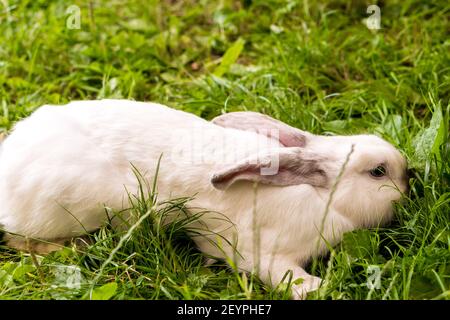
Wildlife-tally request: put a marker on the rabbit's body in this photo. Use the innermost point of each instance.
(61, 166)
(77, 158)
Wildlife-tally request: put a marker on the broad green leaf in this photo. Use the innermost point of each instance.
(428, 141)
(440, 138)
(298, 281)
(230, 57)
(5, 279)
(393, 125)
(336, 125)
(22, 270)
(423, 287)
(360, 245)
(9, 267)
(105, 292)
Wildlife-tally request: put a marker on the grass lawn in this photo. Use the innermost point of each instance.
(314, 65)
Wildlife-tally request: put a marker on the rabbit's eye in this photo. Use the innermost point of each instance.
(378, 172)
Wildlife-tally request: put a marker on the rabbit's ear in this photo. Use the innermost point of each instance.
(246, 120)
(280, 166)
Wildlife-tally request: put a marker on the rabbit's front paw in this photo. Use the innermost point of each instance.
(310, 283)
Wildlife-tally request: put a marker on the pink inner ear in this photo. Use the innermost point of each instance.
(294, 166)
(286, 136)
(264, 125)
(291, 140)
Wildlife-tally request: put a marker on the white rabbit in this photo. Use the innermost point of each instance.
(63, 164)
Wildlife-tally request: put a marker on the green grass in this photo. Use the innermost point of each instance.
(314, 66)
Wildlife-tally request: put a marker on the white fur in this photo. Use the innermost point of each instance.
(76, 158)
